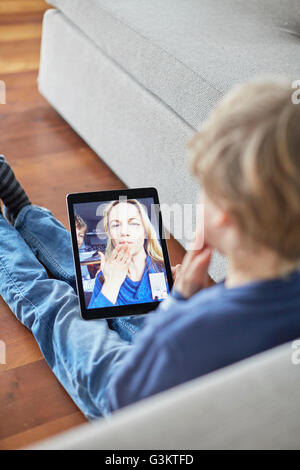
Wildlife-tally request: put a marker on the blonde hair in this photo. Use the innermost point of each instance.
(152, 246)
(247, 156)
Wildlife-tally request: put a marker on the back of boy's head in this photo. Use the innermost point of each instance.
(247, 157)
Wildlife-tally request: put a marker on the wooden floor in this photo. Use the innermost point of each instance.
(50, 160)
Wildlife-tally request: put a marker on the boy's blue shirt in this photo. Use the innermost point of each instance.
(184, 339)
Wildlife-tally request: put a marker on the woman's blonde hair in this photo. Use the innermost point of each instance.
(247, 156)
(152, 246)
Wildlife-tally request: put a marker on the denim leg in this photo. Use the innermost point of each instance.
(49, 240)
(83, 355)
(129, 326)
(51, 243)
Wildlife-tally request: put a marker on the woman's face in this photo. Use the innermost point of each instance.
(126, 227)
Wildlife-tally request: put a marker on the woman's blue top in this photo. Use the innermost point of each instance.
(131, 292)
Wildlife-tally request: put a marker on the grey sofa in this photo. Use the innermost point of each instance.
(136, 78)
(253, 404)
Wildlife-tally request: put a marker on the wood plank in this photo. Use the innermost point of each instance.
(18, 352)
(25, 395)
(17, 32)
(17, 56)
(44, 143)
(22, 17)
(43, 431)
(30, 122)
(22, 94)
(17, 6)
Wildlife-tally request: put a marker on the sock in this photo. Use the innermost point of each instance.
(11, 192)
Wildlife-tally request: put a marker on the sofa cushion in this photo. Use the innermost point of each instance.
(252, 404)
(189, 53)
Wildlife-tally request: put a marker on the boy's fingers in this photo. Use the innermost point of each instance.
(192, 254)
(201, 261)
(188, 257)
(174, 268)
(205, 255)
(177, 268)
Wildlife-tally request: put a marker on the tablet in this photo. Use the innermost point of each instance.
(120, 252)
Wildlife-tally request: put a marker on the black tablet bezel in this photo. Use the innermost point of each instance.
(120, 310)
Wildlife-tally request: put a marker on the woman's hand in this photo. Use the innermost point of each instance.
(115, 270)
(192, 275)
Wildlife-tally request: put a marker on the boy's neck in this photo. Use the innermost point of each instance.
(259, 267)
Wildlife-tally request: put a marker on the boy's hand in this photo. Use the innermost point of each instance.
(192, 275)
(175, 271)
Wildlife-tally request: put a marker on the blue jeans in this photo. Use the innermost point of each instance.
(82, 354)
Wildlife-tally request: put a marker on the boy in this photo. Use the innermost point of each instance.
(247, 157)
(81, 228)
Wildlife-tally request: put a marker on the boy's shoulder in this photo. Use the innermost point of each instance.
(213, 292)
(173, 313)
(219, 306)
(206, 299)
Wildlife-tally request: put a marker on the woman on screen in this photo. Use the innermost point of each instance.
(133, 255)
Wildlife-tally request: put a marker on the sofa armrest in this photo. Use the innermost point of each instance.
(252, 404)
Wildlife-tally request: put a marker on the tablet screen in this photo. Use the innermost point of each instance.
(120, 250)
